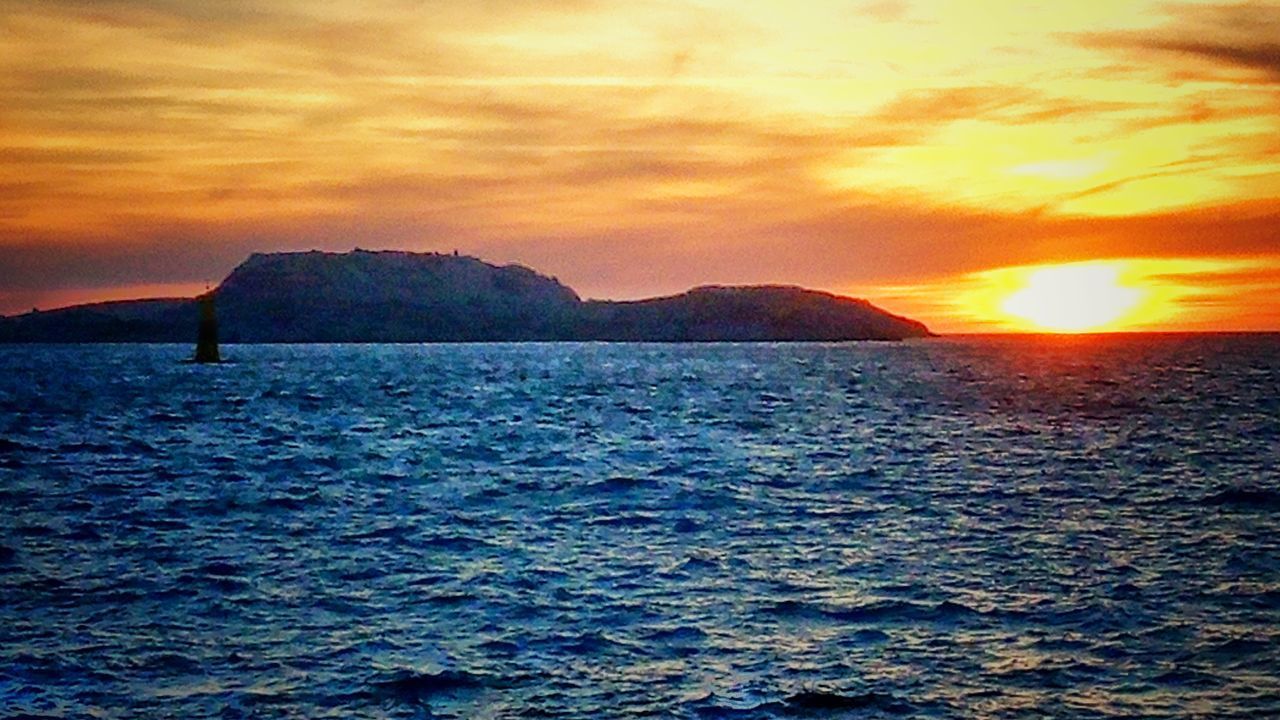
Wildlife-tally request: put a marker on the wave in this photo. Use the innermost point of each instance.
(222, 568)
(821, 700)
(416, 687)
(881, 611)
(1048, 675)
(585, 643)
(12, 446)
(677, 634)
(617, 484)
(635, 519)
(1240, 648)
(1244, 497)
(806, 704)
(1188, 678)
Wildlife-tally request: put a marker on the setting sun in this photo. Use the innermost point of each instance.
(1102, 295)
(1073, 298)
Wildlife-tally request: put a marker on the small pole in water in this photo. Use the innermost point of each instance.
(207, 336)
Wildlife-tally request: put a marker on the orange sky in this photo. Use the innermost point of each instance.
(915, 153)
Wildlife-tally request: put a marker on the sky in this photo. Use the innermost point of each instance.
(957, 161)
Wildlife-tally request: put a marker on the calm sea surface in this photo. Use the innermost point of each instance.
(986, 528)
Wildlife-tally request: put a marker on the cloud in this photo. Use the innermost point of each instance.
(886, 10)
(1263, 57)
(935, 106)
(1238, 37)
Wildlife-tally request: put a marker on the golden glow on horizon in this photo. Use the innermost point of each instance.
(1073, 298)
(1103, 295)
(1113, 295)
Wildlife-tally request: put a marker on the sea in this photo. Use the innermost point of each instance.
(966, 527)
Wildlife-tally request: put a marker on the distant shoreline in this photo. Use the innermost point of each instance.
(401, 297)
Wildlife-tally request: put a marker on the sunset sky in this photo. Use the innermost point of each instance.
(924, 155)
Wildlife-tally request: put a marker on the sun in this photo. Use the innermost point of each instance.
(1093, 296)
(1079, 297)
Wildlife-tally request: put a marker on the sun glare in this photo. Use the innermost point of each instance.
(1077, 297)
(1073, 298)
(1134, 294)
(1115, 294)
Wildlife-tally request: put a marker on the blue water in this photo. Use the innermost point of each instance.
(993, 528)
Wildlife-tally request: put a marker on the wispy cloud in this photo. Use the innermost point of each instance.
(1263, 57)
(1215, 37)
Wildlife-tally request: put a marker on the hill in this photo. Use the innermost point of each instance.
(365, 296)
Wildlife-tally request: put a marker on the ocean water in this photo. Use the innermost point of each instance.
(955, 528)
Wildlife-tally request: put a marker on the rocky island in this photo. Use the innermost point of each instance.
(391, 296)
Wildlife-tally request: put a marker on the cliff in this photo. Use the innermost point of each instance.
(365, 296)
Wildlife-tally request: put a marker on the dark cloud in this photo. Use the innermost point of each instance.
(1264, 57)
(1241, 37)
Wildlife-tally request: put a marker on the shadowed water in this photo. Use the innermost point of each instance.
(1003, 528)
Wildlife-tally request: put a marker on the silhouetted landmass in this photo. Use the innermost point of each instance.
(365, 296)
(389, 297)
(762, 312)
(166, 320)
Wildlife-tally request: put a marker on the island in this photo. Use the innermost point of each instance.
(404, 297)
